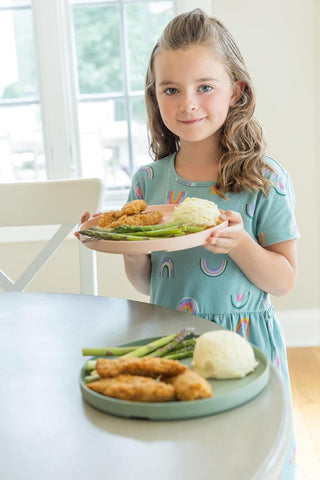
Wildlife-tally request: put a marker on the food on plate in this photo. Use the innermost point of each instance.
(133, 207)
(125, 225)
(146, 380)
(190, 386)
(223, 354)
(132, 213)
(160, 347)
(109, 217)
(138, 219)
(146, 366)
(197, 212)
(134, 388)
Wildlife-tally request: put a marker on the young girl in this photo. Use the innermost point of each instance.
(207, 144)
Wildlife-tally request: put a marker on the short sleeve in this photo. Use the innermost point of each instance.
(275, 215)
(137, 187)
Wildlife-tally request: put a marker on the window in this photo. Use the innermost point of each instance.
(113, 41)
(21, 142)
(71, 88)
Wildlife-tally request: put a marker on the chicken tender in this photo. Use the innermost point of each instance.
(147, 366)
(190, 386)
(140, 219)
(108, 218)
(133, 207)
(134, 388)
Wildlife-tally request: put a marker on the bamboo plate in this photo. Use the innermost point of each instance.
(227, 394)
(147, 246)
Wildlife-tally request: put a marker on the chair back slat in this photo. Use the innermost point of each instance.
(47, 203)
(56, 202)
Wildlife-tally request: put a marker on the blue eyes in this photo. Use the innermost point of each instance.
(205, 88)
(171, 91)
(202, 89)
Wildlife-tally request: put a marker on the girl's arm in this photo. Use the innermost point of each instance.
(138, 270)
(272, 269)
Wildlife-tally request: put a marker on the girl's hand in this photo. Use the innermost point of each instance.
(226, 239)
(84, 217)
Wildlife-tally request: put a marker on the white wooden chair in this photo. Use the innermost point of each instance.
(55, 202)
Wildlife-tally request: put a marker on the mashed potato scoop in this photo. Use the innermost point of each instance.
(223, 354)
(197, 212)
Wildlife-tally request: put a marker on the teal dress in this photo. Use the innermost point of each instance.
(211, 285)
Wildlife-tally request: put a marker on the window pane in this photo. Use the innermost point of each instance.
(145, 21)
(104, 142)
(21, 144)
(21, 139)
(98, 49)
(113, 42)
(139, 133)
(18, 77)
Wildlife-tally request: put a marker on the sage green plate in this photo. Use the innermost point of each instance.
(227, 394)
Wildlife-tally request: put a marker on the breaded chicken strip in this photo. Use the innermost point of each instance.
(108, 218)
(133, 207)
(134, 388)
(149, 218)
(148, 366)
(190, 386)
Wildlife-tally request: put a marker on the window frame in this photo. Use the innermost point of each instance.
(57, 82)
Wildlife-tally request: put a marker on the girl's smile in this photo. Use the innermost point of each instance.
(192, 122)
(194, 92)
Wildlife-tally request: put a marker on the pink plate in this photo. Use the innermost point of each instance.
(147, 246)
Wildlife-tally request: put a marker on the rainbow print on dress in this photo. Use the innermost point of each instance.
(189, 183)
(280, 187)
(293, 456)
(261, 239)
(279, 182)
(148, 170)
(167, 268)
(138, 191)
(213, 272)
(188, 305)
(243, 327)
(175, 198)
(250, 209)
(276, 359)
(239, 300)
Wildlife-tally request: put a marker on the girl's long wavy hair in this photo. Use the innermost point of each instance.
(242, 140)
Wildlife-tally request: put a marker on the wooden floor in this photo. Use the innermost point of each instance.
(304, 367)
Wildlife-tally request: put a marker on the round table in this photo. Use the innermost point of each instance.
(47, 430)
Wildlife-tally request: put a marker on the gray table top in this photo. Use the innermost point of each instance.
(47, 430)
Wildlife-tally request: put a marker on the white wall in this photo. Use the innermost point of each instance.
(280, 41)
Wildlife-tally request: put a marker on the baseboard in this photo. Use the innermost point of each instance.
(301, 327)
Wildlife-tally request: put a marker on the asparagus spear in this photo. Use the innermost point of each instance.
(164, 232)
(168, 230)
(110, 235)
(107, 351)
(193, 229)
(185, 344)
(91, 378)
(144, 228)
(179, 355)
(182, 345)
(90, 365)
(145, 349)
(121, 351)
(174, 343)
(168, 347)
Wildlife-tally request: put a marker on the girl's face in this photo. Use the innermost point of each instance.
(194, 92)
